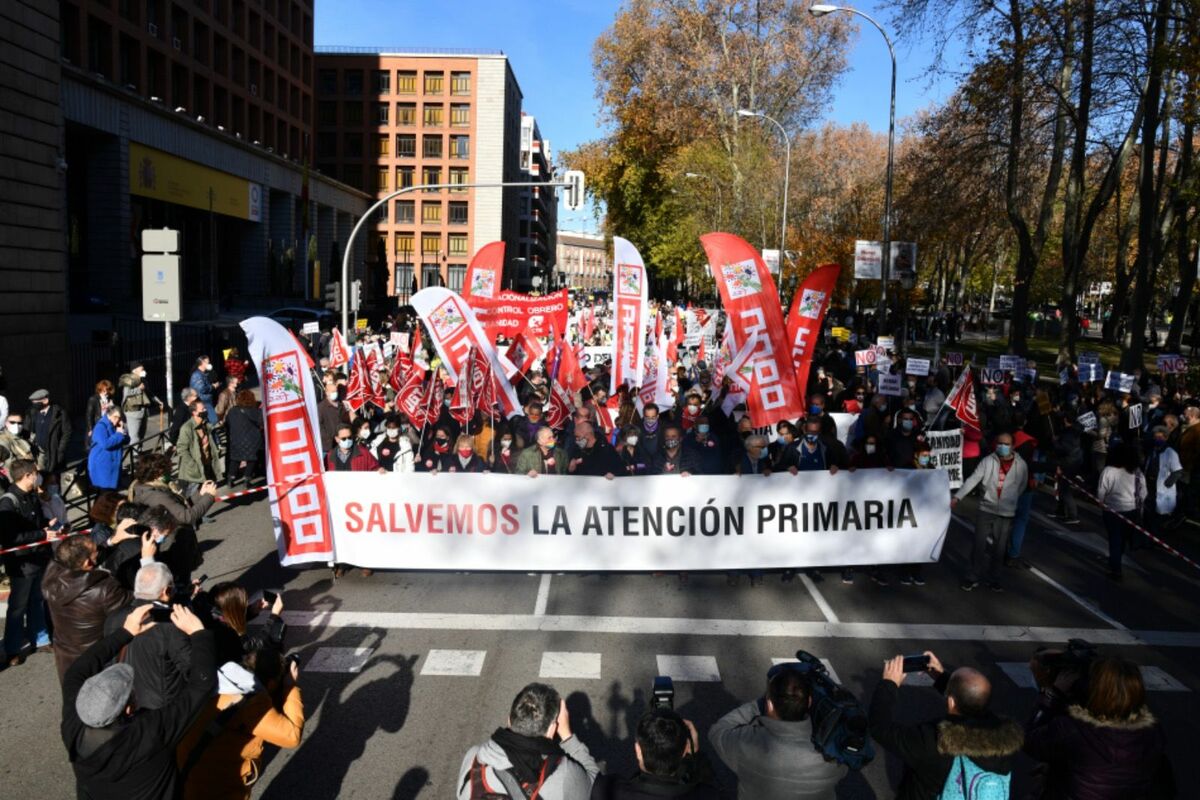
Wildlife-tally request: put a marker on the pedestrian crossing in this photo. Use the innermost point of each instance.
(585, 666)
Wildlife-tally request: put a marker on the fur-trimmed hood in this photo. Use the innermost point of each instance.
(993, 737)
(1137, 721)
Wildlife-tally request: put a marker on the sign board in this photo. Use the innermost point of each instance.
(991, 376)
(160, 240)
(946, 450)
(865, 358)
(310, 328)
(360, 324)
(595, 356)
(886, 342)
(771, 259)
(1088, 421)
(1172, 364)
(1119, 381)
(160, 288)
(399, 340)
(1135, 416)
(1012, 363)
(1090, 373)
(1027, 375)
(890, 385)
(841, 334)
(954, 359)
(993, 363)
(868, 260)
(1089, 357)
(1043, 402)
(904, 261)
(917, 366)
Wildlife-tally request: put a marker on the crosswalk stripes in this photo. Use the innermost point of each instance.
(690, 669)
(577, 666)
(464, 663)
(1155, 678)
(339, 659)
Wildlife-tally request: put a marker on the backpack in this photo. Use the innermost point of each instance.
(968, 781)
(512, 788)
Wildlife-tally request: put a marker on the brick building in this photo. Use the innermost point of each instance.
(582, 261)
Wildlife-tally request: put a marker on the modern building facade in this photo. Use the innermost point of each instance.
(583, 262)
(391, 120)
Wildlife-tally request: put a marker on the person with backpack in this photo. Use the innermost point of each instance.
(536, 755)
(965, 755)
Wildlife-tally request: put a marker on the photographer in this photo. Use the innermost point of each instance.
(669, 762)
(768, 744)
(1094, 731)
(162, 656)
(525, 759)
(970, 741)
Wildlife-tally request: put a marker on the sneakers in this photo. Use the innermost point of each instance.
(879, 578)
(848, 576)
(906, 580)
(968, 586)
(918, 580)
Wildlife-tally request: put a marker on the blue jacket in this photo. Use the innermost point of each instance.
(104, 459)
(203, 386)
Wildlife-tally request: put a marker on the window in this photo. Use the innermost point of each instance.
(460, 115)
(352, 175)
(460, 83)
(405, 212)
(460, 147)
(458, 175)
(381, 183)
(406, 82)
(404, 177)
(406, 145)
(458, 244)
(404, 276)
(431, 213)
(406, 114)
(433, 115)
(383, 82)
(431, 275)
(433, 82)
(381, 113)
(431, 245)
(352, 113)
(383, 145)
(353, 147)
(431, 176)
(458, 213)
(354, 81)
(431, 146)
(457, 273)
(404, 244)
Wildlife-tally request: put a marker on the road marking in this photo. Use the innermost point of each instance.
(543, 596)
(1019, 673)
(339, 659)
(579, 666)
(690, 669)
(1081, 539)
(1154, 678)
(828, 666)
(766, 628)
(454, 662)
(819, 599)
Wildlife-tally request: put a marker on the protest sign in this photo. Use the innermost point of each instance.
(991, 377)
(841, 334)
(555, 523)
(946, 450)
(1088, 421)
(954, 359)
(890, 385)
(917, 366)
(864, 358)
(310, 328)
(1089, 357)
(360, 324)
(1172, 364)
(1119, 381)
(1135, 416)
(1012, 363)
(868, 260)
(886, 342)
(993, 363)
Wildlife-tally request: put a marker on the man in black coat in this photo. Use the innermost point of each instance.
(118, 752)
(50, 430)
(21, 523)
(593, 456)
(669, 763)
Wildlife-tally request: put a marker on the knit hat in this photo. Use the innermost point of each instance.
(104, 696)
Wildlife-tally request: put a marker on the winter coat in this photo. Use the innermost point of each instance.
(571, 779)
(133, 395)
(17, 447)
(361, 460)
(1164, 485)
(773, 758)
(1121, 490)
(1189, 448)
(245, 428)
(987, 474)
(52, 454)
(1068, 451)
(531, 460)
(79, 601)
(161, 659)
(186, 512)
(203, 386)
(104, 458)
(22, 522)
(929, 749)
(394, 454)
(329, 417)
(1097, 759)
(95, 410)
(644, 786)
(133, 758)
(191, 455)
(230, 763)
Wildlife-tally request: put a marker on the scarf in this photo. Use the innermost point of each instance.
(527, 754)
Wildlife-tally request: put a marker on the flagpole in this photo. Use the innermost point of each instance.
(421, 440)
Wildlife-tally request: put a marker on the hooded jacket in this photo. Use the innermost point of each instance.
(1098, 759)
(80, 601)
(929, 749)
(229, 764)
(571, 779)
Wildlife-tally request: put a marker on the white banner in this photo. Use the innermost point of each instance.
(946, 449)
(556, 523)
(631, 315)
(868, 260)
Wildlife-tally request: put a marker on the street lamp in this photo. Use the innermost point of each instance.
(787, 168)
(820, 11)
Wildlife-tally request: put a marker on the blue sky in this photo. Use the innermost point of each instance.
(550, 47)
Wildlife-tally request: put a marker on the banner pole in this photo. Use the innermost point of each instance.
(421, 440)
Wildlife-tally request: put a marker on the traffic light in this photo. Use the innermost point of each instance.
(574, 196)
(356, 295)
(333, 296)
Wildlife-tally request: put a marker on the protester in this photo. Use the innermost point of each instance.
(201, 381)
(967, 741)
(593, 456)
(754, 461)
(14, 439)
(392, 449)
(504, 459)
(97, 407)
(464, 458)
(1163, 469)
(182, 413)
(632, 460)
(669, 763)
(705, 448)
(108, 440)
(244, 423)
(1122, 493)
(543, 457)
(119, 753)
(673, 458)
(1003, 476)
(230, 610)
(536, 755)
(22, 522)
(330, 412)
(767, 743)
(50, 430)
(200, 460)
(135, 400)
(349, 455)
(79, 597)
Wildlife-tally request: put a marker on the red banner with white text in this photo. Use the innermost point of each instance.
(510, 312)
(632, 315)
(805, 317)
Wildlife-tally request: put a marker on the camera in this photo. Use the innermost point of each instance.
(160, 612)
(916, 663)
(662, 695)
(1075, 661)
(839, 723)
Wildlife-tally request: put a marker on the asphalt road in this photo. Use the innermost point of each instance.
(403, 671)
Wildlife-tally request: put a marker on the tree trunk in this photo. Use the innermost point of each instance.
(1185, 261)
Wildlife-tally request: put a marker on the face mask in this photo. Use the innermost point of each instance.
(702, 428)
(1160, 443)
(448, 401)
(1016, 398)
(581, 443)
(631, 441)
(907, 424)
(811, 438)
(860, 397)
(464, 452)
(159, 539)
(550, 444)
(393, 433)
(762, 454)
(923, 461)
(345, 444)
(141, 373)
(870, 449)
(364, 434)
(1003, 450)
(671, 444)
(651, 423)
(815, 409)
(693, 410)
(505, 444)
(14, 427)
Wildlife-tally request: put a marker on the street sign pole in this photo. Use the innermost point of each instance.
(170, 381)
(160, 287)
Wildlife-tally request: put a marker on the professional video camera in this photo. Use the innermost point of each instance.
(1064, 672)
(839, 723)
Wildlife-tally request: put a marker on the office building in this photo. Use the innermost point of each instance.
(582, 261)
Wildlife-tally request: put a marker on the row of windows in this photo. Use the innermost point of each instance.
(433, 115)
(404, 81)
(430, 276)
(431, 245)
(432, 146)
(431, 212)
(430, 176)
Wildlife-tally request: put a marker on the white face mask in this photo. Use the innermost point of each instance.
(631, 441)
(141, 373)
(505, 444)
(393, 433)
(870, 449)
(14, 427)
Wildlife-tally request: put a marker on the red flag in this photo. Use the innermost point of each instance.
(483, 380)
(588, 323)
(676, 336)
(703, 354)
(483, 274)
(524, 351)
(339, 353)
(570, 374)
(463, 406)
(962, 400)
(409, 396)
(358, 388)
(401, 366)
(752, 303)
(560, 407)
(658, 326)
(804, 320)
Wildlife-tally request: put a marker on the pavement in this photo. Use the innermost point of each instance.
(403, 671)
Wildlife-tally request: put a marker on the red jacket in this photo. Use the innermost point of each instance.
(360, 461)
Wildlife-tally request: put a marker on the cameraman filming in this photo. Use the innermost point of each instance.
(970, 744)
(768, 744)
(669, 764)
